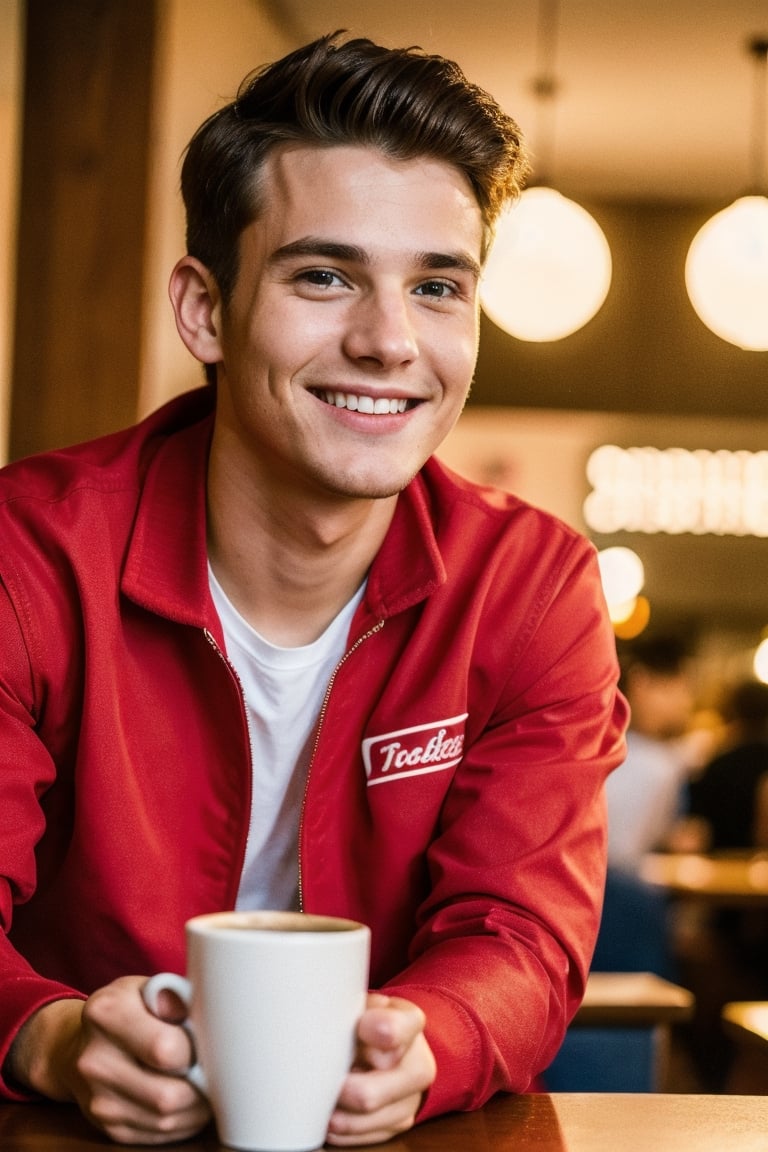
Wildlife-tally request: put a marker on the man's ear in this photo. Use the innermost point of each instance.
(197, 307)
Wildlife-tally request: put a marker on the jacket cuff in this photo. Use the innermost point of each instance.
(465, 1077)
(19, 1000)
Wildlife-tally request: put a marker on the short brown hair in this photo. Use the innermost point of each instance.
(333, 92)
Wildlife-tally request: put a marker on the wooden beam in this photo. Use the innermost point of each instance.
(86, 116)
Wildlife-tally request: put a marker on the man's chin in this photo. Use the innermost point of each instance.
(371, 488)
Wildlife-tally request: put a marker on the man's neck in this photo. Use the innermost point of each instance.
(289, 565)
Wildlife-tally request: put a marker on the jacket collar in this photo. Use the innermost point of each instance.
(409, 566)
(166, 569)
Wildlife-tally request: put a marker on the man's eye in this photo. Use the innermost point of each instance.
(439, 289)
(321, 278)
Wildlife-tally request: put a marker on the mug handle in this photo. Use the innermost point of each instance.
(150, 994)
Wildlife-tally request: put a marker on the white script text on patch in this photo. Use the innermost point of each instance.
(414, 751)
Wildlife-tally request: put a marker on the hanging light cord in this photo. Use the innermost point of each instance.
(759, 50)
(544, 87)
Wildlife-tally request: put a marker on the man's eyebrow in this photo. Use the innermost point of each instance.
(462, 261)
(314, 246)
(352, 253)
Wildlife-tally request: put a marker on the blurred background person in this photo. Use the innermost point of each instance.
(645, 799)
(646, 794)
(725, 795)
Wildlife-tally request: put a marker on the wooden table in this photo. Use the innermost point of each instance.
(535, 1123)
(746, 1022)
(632, 999)
(729, 880)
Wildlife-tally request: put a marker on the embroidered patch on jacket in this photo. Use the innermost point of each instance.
(414, 751)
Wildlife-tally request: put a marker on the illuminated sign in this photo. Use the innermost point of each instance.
(675, 490)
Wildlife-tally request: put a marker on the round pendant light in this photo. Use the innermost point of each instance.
(726, 271)
(549, 269)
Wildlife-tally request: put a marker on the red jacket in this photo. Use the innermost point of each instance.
(454, 800)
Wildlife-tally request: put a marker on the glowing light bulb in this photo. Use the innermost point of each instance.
(726, 273)
(549, 270)
(622, 576)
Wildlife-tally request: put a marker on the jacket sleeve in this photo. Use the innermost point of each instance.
(505, 939)
(26, 771)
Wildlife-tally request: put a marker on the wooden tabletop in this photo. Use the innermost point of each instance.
(747, 1022)
(724, 880)
(641, 999)
(567, 1122)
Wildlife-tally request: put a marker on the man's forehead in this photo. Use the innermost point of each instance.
(351, 185)
(289, 167)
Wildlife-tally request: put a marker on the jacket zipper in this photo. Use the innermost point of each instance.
(233, 672)
(320, 718)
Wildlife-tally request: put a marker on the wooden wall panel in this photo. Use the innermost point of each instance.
(82, 221)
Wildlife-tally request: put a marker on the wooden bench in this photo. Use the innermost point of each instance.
(619, 1039)
(746, 1022)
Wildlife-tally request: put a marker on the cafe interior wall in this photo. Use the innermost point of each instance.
(643, 371)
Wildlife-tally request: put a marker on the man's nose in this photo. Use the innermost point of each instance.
(381, 329)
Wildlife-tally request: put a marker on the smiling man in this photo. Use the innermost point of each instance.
(264, 651)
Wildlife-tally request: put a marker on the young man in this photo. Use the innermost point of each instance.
(263, 650)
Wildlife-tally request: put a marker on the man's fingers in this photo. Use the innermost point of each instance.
(370, 1113)
(370, 1093)
(134, 1105)
(117, 1013)
(130, 1064)
(382, 1094)
(386, 1030)
(354, 1132)
(127, 1125)
(390, 1017)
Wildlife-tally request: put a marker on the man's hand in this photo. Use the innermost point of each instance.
(122, 1066)
(393, 1068)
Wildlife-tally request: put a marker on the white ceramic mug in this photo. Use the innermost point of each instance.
(274, 999)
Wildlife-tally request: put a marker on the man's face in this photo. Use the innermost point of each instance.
(349, 342)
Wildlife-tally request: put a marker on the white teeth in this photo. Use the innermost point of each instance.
(382, 405)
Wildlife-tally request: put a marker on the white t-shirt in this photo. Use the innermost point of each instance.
(284, 690)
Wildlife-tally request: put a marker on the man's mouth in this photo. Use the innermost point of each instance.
(380, 406)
